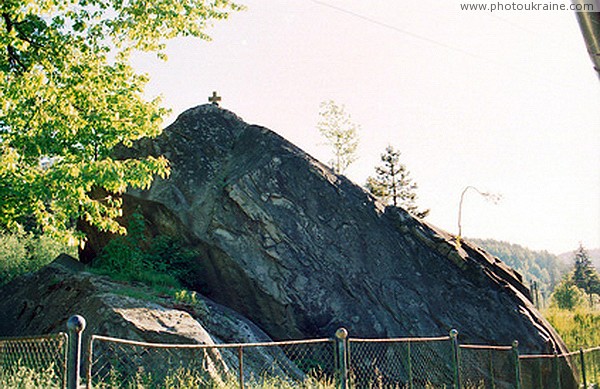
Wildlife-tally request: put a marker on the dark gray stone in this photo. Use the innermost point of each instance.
(301, 251)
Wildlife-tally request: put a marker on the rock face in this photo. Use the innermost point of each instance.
(301, 251)
(42, 302)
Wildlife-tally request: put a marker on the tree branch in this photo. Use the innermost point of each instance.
(13, 58)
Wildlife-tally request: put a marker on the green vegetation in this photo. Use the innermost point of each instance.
(26, 378)
(160, 262)
(69, 96)
(575, 317)
(163, 264)
(22, 253)
(567, 295)
(584, 274)
(392, 183)
(579, 327)
(186, 378)
(539, 266)
(30, 378)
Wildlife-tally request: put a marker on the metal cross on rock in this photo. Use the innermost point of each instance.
(214, 99)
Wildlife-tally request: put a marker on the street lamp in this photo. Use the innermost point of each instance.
(488, 196)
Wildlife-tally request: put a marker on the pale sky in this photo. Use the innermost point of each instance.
(507, 102)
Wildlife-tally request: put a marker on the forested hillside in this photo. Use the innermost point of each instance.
(540, 266)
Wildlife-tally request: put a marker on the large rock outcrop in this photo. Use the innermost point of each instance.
(42, 302)
(301, 251)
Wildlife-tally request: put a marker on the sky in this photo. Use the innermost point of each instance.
(507, 102)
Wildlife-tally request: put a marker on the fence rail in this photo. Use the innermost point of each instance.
(340, 362)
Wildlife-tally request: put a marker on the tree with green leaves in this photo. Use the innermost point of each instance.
(340, 133)
(393, 185)
(585, 275)
(69, 96)
(567, 295)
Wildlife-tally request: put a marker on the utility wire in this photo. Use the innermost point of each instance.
(397, 29)
(440, 44)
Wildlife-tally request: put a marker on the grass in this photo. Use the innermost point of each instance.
(30, 378)
(578, 328)
(185, 378)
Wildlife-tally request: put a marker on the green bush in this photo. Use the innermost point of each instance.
(566, 295)
(161, 261)
(25, 252)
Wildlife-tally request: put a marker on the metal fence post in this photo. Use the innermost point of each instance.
(582, 359)
(491, 368)
(75, 325)
(409, 361)
(455, 357)
(341, 337)
(557, 368)
(241, 366)
(515, 350)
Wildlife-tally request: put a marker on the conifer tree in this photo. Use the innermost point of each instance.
(585, 275)
(392, 183)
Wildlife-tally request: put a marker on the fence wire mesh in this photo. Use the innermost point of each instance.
(549, 371)
(591, 362)
(493, 367)
(34, 362)
(116, 363)
(423, 363)
(401, 363)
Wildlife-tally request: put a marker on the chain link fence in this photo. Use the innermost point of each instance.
(590, 361)
(340, 362)
(34, 362)
(489, 366)
(117, 363)
(401, 362)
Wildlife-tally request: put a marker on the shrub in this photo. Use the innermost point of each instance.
(160, 262)
(566, 295)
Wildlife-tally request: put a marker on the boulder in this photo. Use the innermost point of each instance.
(301, 251)
(42, 302)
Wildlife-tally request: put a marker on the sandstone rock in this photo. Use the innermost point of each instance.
(302, 251)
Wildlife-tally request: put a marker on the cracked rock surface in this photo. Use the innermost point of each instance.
(302, 251)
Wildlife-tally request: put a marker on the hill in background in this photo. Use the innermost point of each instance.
(540, 266)
(567, 258)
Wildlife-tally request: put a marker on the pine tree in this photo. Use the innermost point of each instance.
(392, 183)
(585, 275)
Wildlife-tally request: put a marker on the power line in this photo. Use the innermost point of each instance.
(440, 44)
(397, 29)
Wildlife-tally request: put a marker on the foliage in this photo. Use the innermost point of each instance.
(25, 252)
(30, 378)
(567, 295)
(585, 275)
(341, 134)
(162, 261)
(393, 185)
(578, 328)
(186, 378)
(69, 96)
(541, 267)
